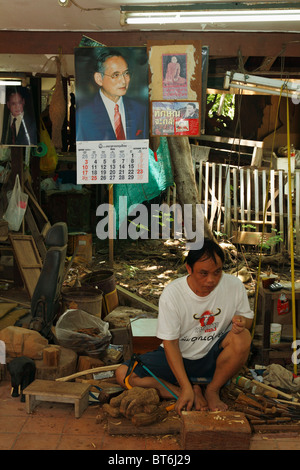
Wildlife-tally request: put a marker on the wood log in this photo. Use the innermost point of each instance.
(184, 177)
(51, 356)
(224, 430)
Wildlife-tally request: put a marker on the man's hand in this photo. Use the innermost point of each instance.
(185, 400)
(239, 323)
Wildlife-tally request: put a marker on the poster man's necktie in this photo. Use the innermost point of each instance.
(13, 131)
(118, 124)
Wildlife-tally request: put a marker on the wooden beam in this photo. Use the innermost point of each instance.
(267, 63)
(220, 43)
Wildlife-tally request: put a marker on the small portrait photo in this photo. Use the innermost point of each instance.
(19, 126)
(174, 76)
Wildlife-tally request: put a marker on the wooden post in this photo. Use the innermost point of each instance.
(111, 225)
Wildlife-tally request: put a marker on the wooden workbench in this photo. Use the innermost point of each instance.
(62, 392)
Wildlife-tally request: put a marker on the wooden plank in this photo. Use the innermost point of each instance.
(28, 260)
(256, 193)
(242, 194)
(248, 195)
(33, 200)
(220, 199)
(200, 180)
(249, 238)
(35, 233)
(170, 425)
(264, 192)
(227, 204)
(206, 189)
(235, 205)
(133, 300)
(6, 307)
(213, 196)
(231, 140)
(272, 196)
(280, 207)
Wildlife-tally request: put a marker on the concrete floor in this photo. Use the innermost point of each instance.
(53, 426)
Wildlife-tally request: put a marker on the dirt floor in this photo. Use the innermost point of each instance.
(145, 267)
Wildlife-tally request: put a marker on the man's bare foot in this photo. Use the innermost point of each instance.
(200, 403)
(213, 400)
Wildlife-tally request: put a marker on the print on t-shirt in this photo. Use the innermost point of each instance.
(207, 319)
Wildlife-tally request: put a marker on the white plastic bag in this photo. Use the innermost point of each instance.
(71, 330)
(16, 208)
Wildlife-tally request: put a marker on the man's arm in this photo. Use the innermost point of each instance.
(174, 358)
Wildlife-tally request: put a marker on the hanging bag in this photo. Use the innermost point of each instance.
(16, 206)
(49, 161)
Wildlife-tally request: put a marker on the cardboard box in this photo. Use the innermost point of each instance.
(84, 243)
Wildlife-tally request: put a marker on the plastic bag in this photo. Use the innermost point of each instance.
(16, 207)
(72, 328)
(48, 163)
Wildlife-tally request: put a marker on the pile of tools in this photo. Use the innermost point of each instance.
(267, 409)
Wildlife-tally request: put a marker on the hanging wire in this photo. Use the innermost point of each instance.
(291, 240)
(264, 220)
(89, 9)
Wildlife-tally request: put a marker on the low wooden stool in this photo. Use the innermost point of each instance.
(61, 392)
(222, 430)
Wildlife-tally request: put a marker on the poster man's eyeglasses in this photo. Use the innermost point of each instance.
(118, 75)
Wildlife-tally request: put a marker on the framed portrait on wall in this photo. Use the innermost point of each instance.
(175, 87)
(106, 76)
(112, 114)
(18, 125)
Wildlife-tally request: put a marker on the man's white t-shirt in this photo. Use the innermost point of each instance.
(198, 322)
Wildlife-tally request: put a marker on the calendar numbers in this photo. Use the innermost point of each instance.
(111, 162)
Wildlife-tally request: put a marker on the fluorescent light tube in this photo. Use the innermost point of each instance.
(11, 82)
(253, 83)
(236, 16)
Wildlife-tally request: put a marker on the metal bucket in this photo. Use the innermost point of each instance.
(105, 281)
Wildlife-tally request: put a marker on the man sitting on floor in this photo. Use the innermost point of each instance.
(204, 321)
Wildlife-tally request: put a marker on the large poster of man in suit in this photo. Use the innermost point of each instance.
(111, 93)
(19, 124)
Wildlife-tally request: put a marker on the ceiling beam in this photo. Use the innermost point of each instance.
(220, 44)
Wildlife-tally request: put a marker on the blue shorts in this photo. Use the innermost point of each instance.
(199, 370)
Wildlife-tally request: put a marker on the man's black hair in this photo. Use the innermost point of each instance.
(209, 250)
(13, 90)
(104, 53)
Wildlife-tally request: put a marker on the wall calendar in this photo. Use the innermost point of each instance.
(112, 162)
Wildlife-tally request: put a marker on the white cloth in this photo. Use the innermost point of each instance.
(180, 311)
(277, 376)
